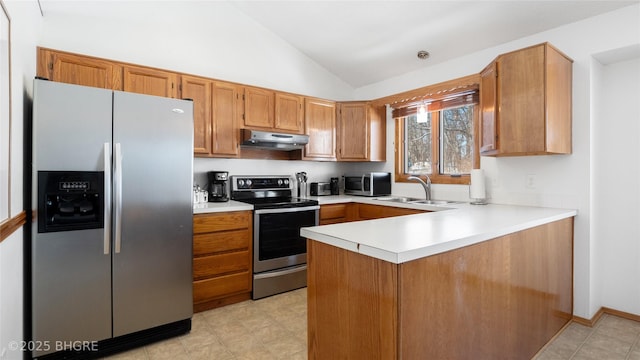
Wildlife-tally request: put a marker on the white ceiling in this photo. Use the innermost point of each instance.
(363, 42)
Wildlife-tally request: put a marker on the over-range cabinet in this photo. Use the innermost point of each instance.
(111, 244)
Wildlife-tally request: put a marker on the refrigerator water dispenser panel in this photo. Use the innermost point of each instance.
(70, 200)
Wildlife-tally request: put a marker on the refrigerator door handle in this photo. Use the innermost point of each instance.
(117, 188)
(107, 198)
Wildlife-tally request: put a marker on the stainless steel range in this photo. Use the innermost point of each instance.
(279, 252)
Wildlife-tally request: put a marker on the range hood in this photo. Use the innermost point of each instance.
(273, 141)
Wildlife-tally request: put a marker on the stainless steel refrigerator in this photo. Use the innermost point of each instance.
(111, 244)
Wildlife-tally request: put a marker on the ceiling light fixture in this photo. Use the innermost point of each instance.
(423, 55)
(422, 115)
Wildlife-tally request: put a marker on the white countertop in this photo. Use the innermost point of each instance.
(405, 238)
(214, 207)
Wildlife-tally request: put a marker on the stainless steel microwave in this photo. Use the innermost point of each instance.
(368, 184)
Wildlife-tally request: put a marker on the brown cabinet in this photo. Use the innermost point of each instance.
(199, 90)
(320, 125)
(361, 132)
(336, 213)
(258, 108)
(215, 108)
(368, 211)
(273, 111)
(144, 80)
(225, 112)
(526, 103)
(222, 271)
(289, 113)
(467, 300)
(79, 70)
(345, 212)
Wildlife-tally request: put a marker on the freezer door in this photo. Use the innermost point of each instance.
(153, 172)
(71, 273)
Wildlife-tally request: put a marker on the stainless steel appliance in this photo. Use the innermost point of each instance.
(368, 184)
(279, 252)
(273, 141)
(320, 189)
(218, 186)
(111, 250)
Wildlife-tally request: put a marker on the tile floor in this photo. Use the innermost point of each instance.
(276, 328)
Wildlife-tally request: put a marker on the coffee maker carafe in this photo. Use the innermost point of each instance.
(218, 186)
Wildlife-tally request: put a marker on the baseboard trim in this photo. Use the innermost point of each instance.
(605, 310)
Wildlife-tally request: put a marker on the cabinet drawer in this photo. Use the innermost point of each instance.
(207, 266)
(333, 211)
(205, 290)
(211, 243)
(220, 222)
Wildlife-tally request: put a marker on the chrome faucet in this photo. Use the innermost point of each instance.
(425, 185)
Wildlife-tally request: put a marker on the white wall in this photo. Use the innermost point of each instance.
(25, 28)
(616, 195)
(220, 42)
(561, 181)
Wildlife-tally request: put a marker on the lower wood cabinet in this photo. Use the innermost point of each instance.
(222, 246)
(345, 212)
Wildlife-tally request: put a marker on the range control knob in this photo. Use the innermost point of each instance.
(240, 182)
(286, 182)
(279, 182)
(248, 182)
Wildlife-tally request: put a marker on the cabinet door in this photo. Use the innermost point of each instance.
(199, 90)
(353, 132)
(143, 80)
(488, 136)
(258, 108)
(225, 119)
(320, 125)
(82, 70)
(289, 112)
(521, 84)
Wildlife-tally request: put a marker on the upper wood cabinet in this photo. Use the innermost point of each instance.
(258, 108)
(289, 112)
(215, 104)
(320, 125)
(361, 132)
(143, 80)
(272, 110)
(79, 70)
(199, 90)
(526, 103)
(225, 129)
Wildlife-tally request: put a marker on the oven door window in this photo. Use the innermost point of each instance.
(279, 233)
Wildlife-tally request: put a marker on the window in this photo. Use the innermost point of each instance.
(440, 144)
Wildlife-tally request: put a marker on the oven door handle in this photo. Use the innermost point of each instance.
(277, 273)
(286, 210)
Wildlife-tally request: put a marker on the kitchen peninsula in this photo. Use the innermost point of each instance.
(483, 282)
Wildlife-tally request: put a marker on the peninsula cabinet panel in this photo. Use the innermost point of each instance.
(78, 69)
(337, 213)
(143, 80)
(222, 246)
(199, 90)
(361, 132)
(526, 103)
(320, 125)
(503, 298)
(289, 113)
(258, 108)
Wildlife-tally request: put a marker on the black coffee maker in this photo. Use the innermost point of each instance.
(218, 186)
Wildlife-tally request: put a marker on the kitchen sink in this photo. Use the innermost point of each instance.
(398, 199)
(411, 200)
(434, 202)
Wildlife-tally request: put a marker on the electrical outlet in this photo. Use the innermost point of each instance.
(530, 181)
